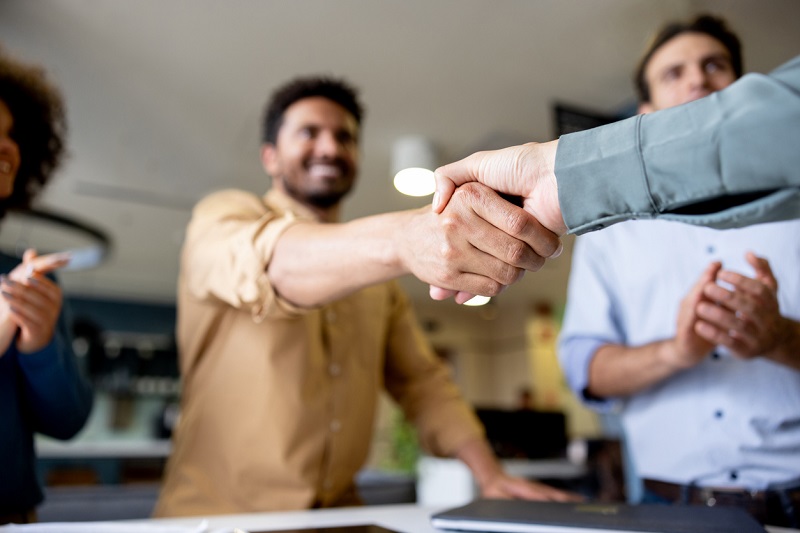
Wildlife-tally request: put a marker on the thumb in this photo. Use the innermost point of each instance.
(29, 255)
(444, 189)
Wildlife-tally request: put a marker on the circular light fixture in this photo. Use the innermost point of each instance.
(415, 181)
(413, 160)
(48, 232)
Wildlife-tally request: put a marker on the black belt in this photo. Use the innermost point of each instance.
(775, 507)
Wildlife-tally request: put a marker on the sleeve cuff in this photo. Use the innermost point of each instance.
(580, 353)
(601, 178)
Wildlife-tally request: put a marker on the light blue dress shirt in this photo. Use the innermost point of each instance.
(726, 422)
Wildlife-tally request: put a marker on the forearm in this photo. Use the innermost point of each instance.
(787, 352)
(619, 371)
(314, 264)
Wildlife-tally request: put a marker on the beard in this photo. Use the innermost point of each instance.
(322, 196)
(323, 199)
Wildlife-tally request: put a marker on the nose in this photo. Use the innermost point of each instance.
(326, 145)
(697, 77)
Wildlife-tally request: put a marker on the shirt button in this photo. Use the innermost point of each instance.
(710, 249)
(734, 474)
(335, 425)
(334, 369)
(717, 414)
(330, 316)
(715, 355)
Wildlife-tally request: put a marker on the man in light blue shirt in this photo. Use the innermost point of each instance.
(687, 331)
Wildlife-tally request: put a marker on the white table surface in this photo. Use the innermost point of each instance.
(405, 518)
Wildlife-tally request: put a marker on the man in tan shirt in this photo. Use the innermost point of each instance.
(289, 325)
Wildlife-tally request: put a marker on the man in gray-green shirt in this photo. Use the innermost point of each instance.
(728, 160)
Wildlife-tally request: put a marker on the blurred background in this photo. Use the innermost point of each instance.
(164, 102)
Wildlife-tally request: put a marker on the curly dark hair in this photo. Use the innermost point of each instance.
(40, 127)
(711, 25)
(335, 90)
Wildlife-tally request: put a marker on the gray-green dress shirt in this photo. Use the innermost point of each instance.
(728, 160)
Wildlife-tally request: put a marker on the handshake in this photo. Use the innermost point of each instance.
(482, 241)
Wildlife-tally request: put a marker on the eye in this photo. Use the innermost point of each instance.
(345, 137)
(307, 132)
(717, 65)
(671, 74)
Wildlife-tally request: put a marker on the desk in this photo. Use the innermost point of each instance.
(405, 518)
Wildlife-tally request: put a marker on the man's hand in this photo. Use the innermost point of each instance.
(30, 302)
(480, 243)
(746, 319)
(688, 347)
(494, 482)
(509, 487)
(527, 171)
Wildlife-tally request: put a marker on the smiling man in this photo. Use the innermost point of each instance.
(289, 327)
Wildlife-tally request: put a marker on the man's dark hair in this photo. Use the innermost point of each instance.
(335, 90)
(710, 25)
(40, 127)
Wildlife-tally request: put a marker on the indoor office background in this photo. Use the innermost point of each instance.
(164, 102)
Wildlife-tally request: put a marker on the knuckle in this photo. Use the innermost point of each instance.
(509, 275)
(517, 253)
(448, 252)
(491, 288)
(517, 222)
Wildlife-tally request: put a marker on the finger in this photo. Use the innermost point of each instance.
(50, 262)
(29, 255)
(734, 301)
(707, 277)
(445, 187)
(472, 245)
(751, 286)
(36, 289)
(463, 297)
(763, 270)
(437, 293)
(485, 220)
(538, 491)
(723, 318)
(31, 317)
(514, 221)
(722, 337)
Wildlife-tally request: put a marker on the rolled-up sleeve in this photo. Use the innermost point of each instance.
(229, 243)
(590, 319)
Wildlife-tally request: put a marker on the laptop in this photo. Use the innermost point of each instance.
(517, 516)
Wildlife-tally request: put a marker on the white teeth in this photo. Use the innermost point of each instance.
(325, 170)
(5, 167)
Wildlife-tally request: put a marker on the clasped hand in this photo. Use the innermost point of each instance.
(30, 302)
(480, 243)
(525, 171)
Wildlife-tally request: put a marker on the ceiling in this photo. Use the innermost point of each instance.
(164, 99)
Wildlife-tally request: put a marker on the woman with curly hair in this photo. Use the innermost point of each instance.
(41, 388)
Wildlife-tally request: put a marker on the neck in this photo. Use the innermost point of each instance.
(323, 214)
(331, 214)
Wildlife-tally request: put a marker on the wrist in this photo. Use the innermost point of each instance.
(670, 356)
(547, 188)
(401, 248)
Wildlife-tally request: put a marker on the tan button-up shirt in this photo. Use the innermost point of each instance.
(278, 403)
